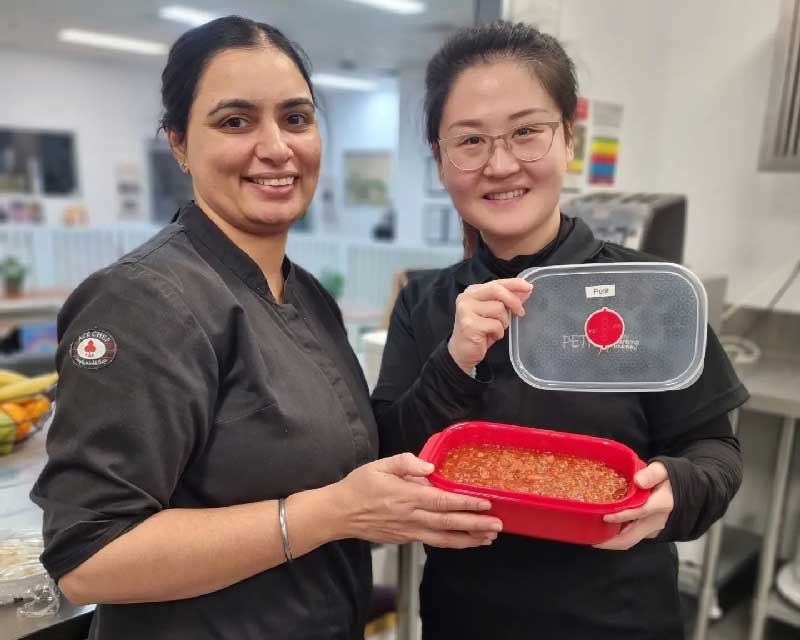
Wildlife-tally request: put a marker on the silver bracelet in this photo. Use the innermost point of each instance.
(287, 548)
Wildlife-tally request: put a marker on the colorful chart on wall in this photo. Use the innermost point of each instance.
(603, 161)
(604, 147)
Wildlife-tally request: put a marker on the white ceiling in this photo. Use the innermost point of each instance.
(330, 31)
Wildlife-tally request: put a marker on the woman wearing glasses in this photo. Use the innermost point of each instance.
(500, 106)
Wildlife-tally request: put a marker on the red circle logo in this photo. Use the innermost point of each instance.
(93, 349)
(604, 328)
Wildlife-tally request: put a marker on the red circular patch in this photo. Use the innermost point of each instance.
(604, 328)
(93, 349)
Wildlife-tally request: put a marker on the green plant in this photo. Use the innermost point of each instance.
(12, 269)
(333, 281)
(13, 272)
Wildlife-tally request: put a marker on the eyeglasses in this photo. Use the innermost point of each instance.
(527, 142)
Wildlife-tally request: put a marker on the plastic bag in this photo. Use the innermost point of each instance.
(22, 576)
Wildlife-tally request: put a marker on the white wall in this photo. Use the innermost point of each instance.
(743, 221)
(693, 77)
(410, 175)
(354, 121)
(618, 49)
(113, 111)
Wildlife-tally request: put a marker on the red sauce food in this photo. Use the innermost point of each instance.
(547, 474)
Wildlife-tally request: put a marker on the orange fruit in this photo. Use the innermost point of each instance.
(35, 407)
(20, 416)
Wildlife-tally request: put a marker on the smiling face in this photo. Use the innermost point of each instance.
(252, 144)
(514, 204)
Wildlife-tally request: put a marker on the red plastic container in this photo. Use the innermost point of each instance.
(533, 515)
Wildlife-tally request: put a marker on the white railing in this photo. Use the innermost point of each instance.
(371, 268)
(62, 258)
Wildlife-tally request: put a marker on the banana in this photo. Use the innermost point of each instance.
(7, 377)
(30, 386)
(8, 429)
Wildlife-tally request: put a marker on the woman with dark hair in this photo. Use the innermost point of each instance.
(212, 467)
(500, 106)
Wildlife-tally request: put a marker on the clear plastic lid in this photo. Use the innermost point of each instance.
(627, 326)
(22, 576)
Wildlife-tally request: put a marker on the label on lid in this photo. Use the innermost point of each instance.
(601, 291)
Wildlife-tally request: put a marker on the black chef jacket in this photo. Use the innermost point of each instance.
(520, 588)
(209, 394)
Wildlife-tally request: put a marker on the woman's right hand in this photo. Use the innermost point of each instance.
(482, 318)
(381, 502)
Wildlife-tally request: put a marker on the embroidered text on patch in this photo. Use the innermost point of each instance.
(93, 349)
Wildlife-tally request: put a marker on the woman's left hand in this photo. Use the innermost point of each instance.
(648, 520)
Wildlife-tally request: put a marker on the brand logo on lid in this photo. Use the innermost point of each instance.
(604, 328)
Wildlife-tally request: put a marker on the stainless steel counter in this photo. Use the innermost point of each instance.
(70, 623)
(18, 472)
(774, 386)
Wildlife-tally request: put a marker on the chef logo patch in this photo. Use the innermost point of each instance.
(93, 349)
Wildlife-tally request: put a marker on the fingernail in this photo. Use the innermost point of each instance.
(485, 506)
(486, 543)
(497, 526)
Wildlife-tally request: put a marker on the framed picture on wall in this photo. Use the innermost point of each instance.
(442, 224)
(367, 176)
(37, 162)
(433, 185)
(170, 187)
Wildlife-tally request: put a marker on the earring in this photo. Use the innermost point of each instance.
(184, 166)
